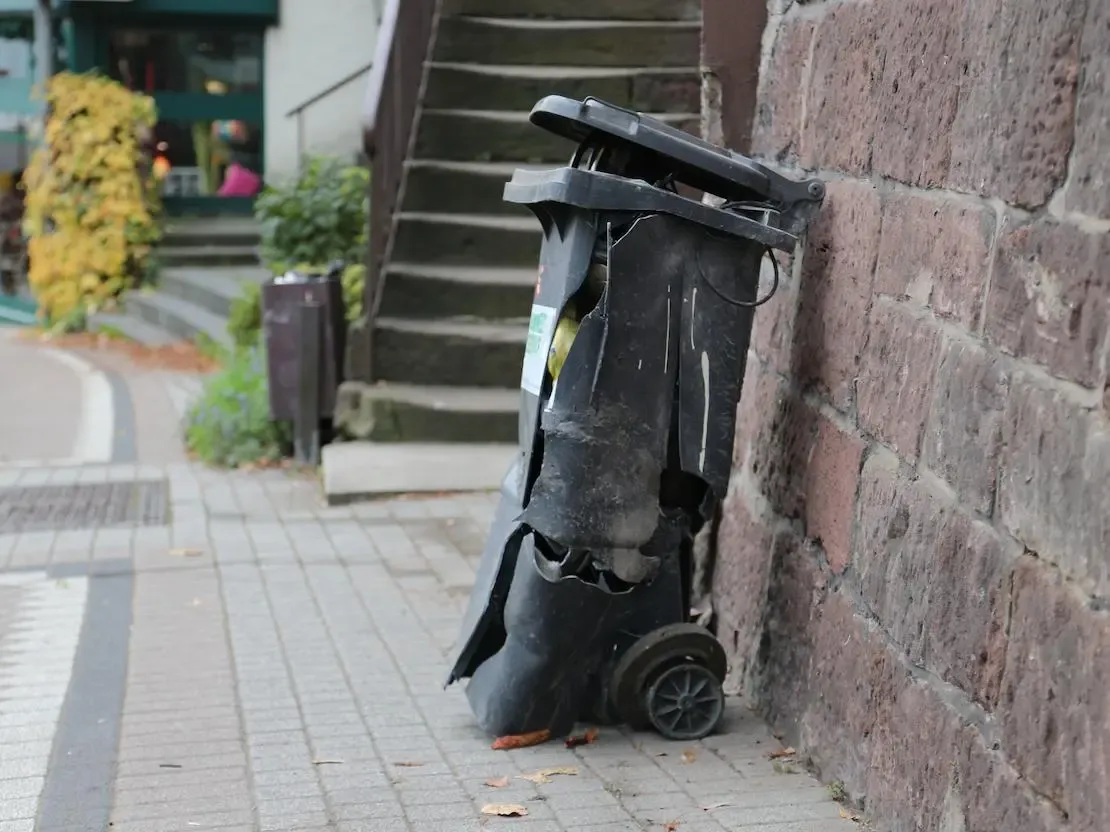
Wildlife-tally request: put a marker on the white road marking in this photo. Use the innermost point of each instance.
(93, 442)
(37, 653)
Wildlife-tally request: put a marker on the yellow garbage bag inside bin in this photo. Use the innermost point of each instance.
(565, 331)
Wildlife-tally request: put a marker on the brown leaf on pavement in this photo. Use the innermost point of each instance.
(181, 356)
(671, 826)
(782, 752)
(505, 810)
(689, 755)
(521, 740)
(585, 739)
(544, 775)
(497, 782)
(186, 553)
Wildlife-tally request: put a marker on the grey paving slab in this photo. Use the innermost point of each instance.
(356, 470)
(285, 672)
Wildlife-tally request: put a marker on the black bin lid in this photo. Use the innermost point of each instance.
(695, 162)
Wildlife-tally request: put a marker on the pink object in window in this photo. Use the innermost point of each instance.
(240, 182)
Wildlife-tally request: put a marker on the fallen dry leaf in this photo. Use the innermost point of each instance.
(505, 810)
(182, 356)
(670, 826)
(544, 775)
(852, 816)
(497, 782)
(186, 553)
(782, 752)
(408, 765)
(521, 740)
(689, 755)
(585, 739)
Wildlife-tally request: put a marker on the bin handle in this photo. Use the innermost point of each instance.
(597, 100)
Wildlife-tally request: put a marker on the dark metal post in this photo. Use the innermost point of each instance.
(306, 430)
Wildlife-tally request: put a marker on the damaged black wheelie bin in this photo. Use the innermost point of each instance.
(632, 369)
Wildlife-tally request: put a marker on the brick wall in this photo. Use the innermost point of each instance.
(913, 570)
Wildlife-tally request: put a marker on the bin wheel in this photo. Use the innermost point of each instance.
(685, 702)
(661, 648)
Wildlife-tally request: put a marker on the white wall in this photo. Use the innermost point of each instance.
(318, 43)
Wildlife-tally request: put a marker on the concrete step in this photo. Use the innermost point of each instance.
(132, 328)
(460, 187)
(213, 288)
(206, 254)
(420, 290)
(466, 239)
(568, 42)
(178, 317)
(355, 471)
(224, 231)
(601, 9)
(407, 413)
(454, 352)
(473, 87)
(477, 136)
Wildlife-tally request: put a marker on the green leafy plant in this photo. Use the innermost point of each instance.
(244, 320)
(230, 422)
(318, 217)
(209, 347)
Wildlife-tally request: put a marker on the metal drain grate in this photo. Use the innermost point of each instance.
(87, 506)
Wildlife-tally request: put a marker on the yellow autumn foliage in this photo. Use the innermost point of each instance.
(91, 210)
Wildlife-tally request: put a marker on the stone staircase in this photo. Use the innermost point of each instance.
(462, 266)
(202, 266)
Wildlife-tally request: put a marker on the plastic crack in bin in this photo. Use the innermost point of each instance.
(632, 370)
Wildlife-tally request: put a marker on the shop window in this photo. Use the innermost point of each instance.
(216, 63)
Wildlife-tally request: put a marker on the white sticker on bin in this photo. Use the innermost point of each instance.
(540, 328)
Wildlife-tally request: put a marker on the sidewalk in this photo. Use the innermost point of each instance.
(241, 657)
(43, 392)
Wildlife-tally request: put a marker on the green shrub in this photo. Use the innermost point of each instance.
(210, 348)
(230, 423)
(319, 217)
(244, 320)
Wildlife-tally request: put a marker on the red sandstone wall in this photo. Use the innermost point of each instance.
(913, 572)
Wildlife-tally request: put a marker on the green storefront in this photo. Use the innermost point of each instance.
(203, 61)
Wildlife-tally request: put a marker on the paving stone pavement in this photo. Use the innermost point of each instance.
(46, 430)
(264, 662)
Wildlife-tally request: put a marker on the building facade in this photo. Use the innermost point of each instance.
(244, 88)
